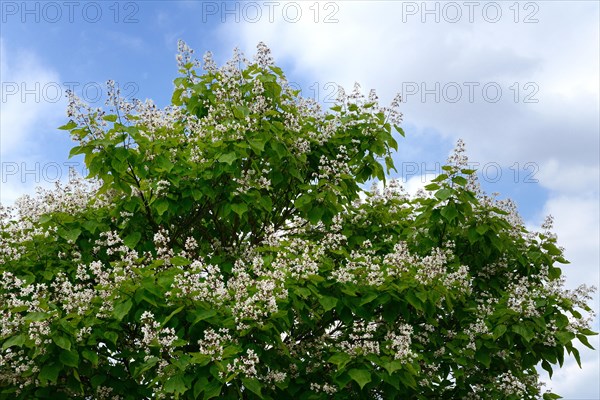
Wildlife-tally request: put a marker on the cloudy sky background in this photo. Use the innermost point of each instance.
(518, 81)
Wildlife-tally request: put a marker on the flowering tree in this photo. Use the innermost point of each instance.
(223, 248)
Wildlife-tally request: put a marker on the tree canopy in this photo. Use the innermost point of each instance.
(225, 247)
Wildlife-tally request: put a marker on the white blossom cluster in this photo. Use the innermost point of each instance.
(245, 365)
(362, 266)
(155, 335)
(365, 267)
(214, 342)
(475, 330)
(74, 298)
(255, 291)
(431, 267)
(105, 393)
(523, 292)
(263, 55)
(333, 170)
(15, 365)
(162, 244)
(323, 387)
(252, 290)
(506, 383)
(200, 282)
(362, 340)
(299, 258)
(19, 222)
(250, 179)
(272, 377)
(400, 342)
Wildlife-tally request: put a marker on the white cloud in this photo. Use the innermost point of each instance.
(32, 105)
(577, 222)
(34, 99)
(415, 183)
(582, 179)
(573, 382)
(369, 44)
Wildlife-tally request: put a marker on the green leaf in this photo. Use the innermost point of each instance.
(50, 372)
(524, 331)
(408, 379)
(328, 302)
(360, 376)
(132, 239)
(121, 309)
(141, 368)
(561, 321)
(483, 356)
(69, 358)
(175, 312)
(91, 356)
(369, 298)
(302, 292)
(45, 218)
(304, 201)
(201, 315)
(62, 342)
(239, 208)
(18, 340)
(228, 158)
(499, 331)
(339, 359)
(37, 316)
(111, 336)
(71, 234)
(240, 111)
(257, 145)
(440, 178)
(551, 249)
(449, 212)
(444, 193)
(119, 165)
(564, 337)
(110, 118)
(583, 339)
(253, 385)
(179, 261)
(175, 384)
(212, 390)
(90, 226)
(76, 151)
(393, 366)
(546, 365)
(67, 127)
(163, 163)
(413, 300)
(199, 386)
(481, 229)
(315, 214)
(551, 396)
(161, 205)
(266, 203)
(389, 164)
(575, 353)
(459, 180)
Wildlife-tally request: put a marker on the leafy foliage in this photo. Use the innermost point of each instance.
(223, 248)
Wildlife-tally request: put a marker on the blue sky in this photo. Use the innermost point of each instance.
(518, 81)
